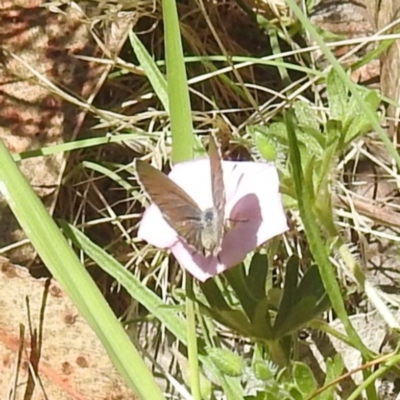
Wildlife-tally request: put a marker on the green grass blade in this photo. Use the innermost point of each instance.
(76, 145)
(182, 150)
(178, 93)
(166, 315)
(110, 174)
(62, 262)
(156, 78)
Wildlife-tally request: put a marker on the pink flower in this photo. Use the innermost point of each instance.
(253, 207)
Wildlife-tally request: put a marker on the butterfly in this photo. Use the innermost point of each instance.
(201, 229)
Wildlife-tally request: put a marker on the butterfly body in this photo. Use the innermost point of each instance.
(211, 237)
(200, 229)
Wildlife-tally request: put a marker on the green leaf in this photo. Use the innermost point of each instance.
(233, 319)
(306, 116)
(310, 284)
(315, 241)
(310, 142)
(264, 370)
(206, 387)
(257, 275)
(310, 166)
(338, 96)
(334, 368)
(275, 130)
(267, 395)
(220, 310)
(230, 387)
(373, 100)
(290, 286)
(300, 304)
(326, 165)
(266, 147)
(237, 279)
(301, 314)
(333, 132)
(270, 141)
(262, 321)
(358, 125)
(226, 361)
(304, 379)
(213, 294)
(295, 394)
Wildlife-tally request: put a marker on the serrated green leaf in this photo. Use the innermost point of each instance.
(306, 116)
(264, 370)
(277, 130)
(318, 138)
(226, 361)
(357, 124)
(311, 141)
(338, 96)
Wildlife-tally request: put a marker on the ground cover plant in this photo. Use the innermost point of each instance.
(94, 305)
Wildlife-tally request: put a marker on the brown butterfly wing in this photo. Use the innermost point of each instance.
(177, 207)
(218, 189)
